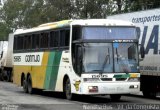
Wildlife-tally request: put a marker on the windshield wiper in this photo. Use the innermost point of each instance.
(105, 61)
(117, 54)
(96, 70)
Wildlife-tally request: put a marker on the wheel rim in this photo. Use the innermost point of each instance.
(29, 85)
(68, 89)
(24, 85)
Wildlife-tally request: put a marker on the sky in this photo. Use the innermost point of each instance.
(1, 2)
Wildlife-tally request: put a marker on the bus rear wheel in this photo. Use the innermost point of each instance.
(25, 89)
(30, 88)
(115, 97)
(67, 90)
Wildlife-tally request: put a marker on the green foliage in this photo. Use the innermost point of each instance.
(91, 8)
(30, 13)
(59, 9)
(4, 30)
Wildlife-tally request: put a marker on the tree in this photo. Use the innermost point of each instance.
(92, 8)
(4, 32)
(59, 9)
(21, 14)
(30, 13)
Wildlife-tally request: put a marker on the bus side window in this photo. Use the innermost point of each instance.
(67, 37)
(54, 39)
(20, 43)
(15, 43)
(51, 39)
(76, 33)
(77, 59)
(44, 40)
(27, 42)
(64, 38)
(35, 41)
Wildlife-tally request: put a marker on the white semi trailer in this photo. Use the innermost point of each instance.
(149, 23)
(6, 63)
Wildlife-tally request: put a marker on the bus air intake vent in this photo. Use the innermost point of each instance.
(121, 79)
(106, 79)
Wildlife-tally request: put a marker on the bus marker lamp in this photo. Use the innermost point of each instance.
(133, 87)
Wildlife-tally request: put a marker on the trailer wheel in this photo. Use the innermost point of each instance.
(115, 97)
(1, 79)
(25, 89)
(67, 90)
(5, 76)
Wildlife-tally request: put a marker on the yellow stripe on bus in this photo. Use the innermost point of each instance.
(38, 73)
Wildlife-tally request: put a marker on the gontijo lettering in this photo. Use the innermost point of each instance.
(32, 58)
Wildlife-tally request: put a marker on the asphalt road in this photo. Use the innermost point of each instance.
(13, 98)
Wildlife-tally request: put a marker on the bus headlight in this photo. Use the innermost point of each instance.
(91, 79)
(134, 79)
(93, 88)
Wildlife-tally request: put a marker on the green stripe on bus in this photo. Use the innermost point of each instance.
(52, 70)
(122, 76)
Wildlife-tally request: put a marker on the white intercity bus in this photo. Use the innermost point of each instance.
(85, 57)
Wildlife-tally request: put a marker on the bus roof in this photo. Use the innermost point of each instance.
(65, 23)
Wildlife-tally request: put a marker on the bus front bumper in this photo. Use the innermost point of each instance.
(109, 88)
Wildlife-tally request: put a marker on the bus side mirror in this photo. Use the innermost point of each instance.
(142, 51)
(138, 32)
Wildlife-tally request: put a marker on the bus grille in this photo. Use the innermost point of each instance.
(106, 79)
(121, 79)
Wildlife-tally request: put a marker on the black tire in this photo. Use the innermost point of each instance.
(5, 75)
(0, 77)
(67, 90)
(149, 94)
(25, 88)
(11, 76)
(115, 97)
(30, 88)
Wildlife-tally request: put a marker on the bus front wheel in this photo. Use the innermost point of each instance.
(67, 90)
(149, 94)
(115, 97)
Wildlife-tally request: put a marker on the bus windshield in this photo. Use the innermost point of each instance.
(110, 57)
(126, 57)
(94, 55)
(109, 33)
